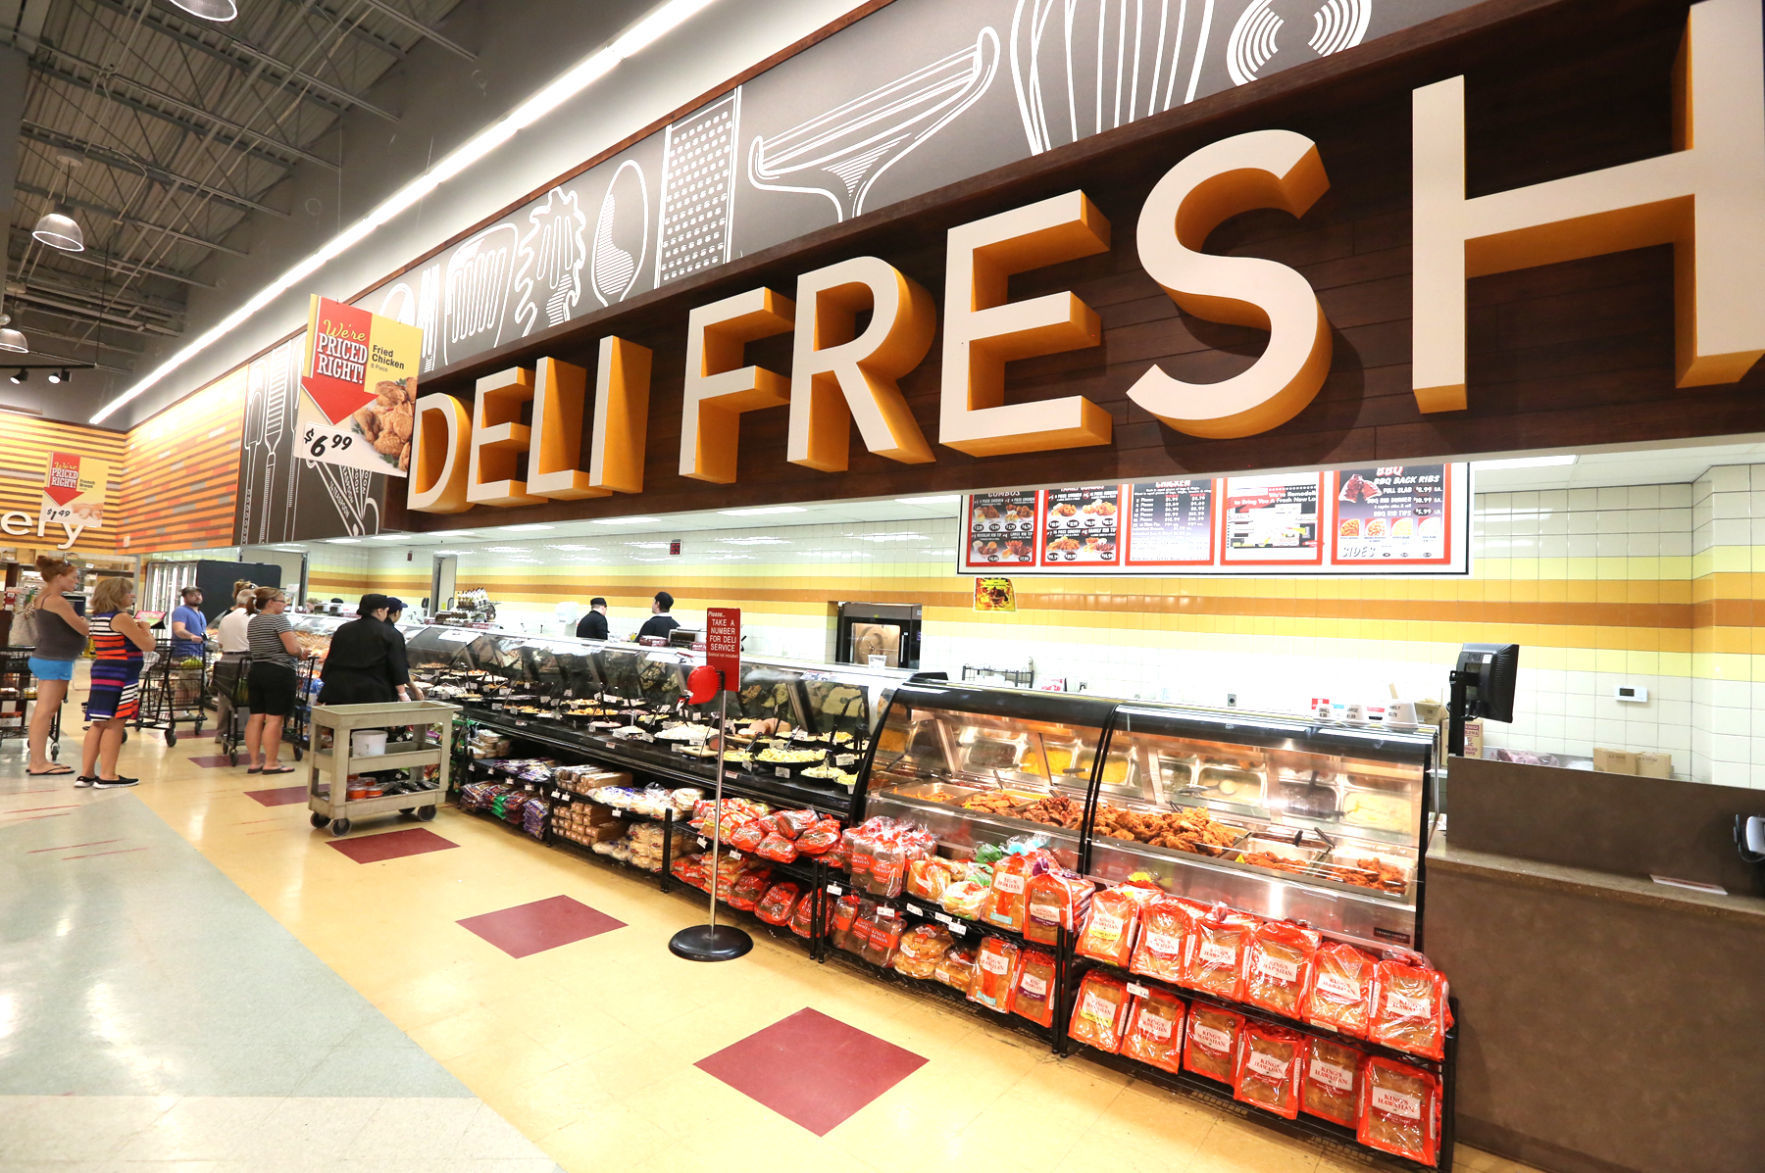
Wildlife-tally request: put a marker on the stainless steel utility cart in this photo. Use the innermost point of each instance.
(330, 762)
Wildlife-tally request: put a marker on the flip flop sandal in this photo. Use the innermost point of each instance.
(55, 769)
(281, 770)
(255, 770)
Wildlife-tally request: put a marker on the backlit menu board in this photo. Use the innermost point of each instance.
(1001, 528)
(1384, 519)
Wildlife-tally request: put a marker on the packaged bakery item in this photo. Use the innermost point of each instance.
(885, 938)
(1340, 995)
(1034, 996)
(927, 878)
(995, 973)
(747, 837)
(1213, 1040)
(1267, 1070)
(1329, 1084)
(1055, 900)
(780, 901)
(921, 948)
(965, 898)
(842, 919)
(956, 968)
(1279, 965)
(820, 837)
(1166, 923)
(1409, 1008)
(777, 848)
(748, 890)
(803, 918)
(1400, 1110)
(1100, 1010)
(1213, 960)
(1007, 904)
(1154, 1033)
(1111, 925)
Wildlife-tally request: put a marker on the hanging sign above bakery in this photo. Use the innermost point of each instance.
(1390, 519)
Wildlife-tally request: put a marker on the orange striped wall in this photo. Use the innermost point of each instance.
(180, 482)
(25, 445)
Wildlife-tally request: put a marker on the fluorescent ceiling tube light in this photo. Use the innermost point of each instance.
(762, 510)
(624, 521)
(555, 93)
(934, 499)
(754, 541)
(526, 529)
(1523, 462)
(398, 537)
(569, 547)
(344, 541)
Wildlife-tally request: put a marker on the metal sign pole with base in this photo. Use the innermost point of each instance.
(712, 942)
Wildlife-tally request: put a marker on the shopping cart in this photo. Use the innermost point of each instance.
(227, 683)
(297, 730)
(174, 691)
(17, 689)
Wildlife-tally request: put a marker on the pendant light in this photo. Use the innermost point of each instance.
(57, 227)
(215, 10)
(12, 340)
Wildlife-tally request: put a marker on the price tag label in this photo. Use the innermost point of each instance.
(944, 917)
(781, 771)
(835, 890)
(322, 442)
(1138, 990)
(886, 913)
(959, 930)
(617, 813)
(703, 843)
(915, 910)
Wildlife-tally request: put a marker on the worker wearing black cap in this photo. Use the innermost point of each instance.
(366, 663)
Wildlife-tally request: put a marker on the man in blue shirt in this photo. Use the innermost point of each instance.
(189, 625)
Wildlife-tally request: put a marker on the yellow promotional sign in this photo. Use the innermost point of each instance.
(358, 389)
(73, 492)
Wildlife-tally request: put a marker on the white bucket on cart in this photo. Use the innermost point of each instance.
(365, 743)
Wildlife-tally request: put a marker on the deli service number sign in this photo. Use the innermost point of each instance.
(358, 389)
(1382, 519)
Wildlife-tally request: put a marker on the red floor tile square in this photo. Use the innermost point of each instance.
(811, 1069)
(544, 924)
(392, 845)
(280, 796)
(217, 760)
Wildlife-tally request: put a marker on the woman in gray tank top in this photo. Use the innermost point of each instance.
(61, 638)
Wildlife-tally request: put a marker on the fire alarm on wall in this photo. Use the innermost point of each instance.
(1631, 694)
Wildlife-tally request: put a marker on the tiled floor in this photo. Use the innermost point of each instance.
(230, 989)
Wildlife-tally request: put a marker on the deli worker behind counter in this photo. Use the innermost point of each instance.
(366, 663)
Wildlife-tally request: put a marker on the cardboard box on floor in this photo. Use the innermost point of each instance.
(1623, 761)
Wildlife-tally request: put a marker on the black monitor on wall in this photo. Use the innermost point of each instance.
(1491, 672)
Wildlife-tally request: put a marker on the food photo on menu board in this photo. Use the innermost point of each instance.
(1002, 528)
(1272, 519)
(1392, 513)
(1170, 523)
(1080, 525)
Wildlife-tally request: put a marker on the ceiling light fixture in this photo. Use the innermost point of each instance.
(660, 21)
(762, 510)
(20, 375)
(344, 541)
(11, 340)
(754, 541)
(1523, 462)
(397, 537)
(624, 521)
(648, 545)
(219, 11)
(572, 548)
(59, 229)
(60, 376)
(933, 499)
(526, 529)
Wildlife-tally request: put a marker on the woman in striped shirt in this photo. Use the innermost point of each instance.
(119, 643)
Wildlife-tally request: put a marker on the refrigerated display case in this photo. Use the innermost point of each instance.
(1282, 817)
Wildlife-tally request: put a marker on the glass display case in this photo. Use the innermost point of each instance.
(799, 732)
(1278, 816)
(313, 631)
(985, 765)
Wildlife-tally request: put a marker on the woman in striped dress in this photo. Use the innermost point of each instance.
(119, 644)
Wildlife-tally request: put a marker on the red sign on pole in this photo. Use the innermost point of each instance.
(723, 643)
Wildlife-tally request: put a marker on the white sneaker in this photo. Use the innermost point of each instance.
(82, 781)
(114, 783)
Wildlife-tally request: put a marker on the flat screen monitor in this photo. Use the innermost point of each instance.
(1491, 672)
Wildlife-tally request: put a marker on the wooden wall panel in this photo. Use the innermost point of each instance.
(180, 483)
(1567, 355)
(25, 445)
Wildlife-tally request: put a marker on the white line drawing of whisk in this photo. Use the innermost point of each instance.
(550, 256)
(851, 146)
(1082, 67)
(618, 230)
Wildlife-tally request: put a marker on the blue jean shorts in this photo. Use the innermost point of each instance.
(52, 669)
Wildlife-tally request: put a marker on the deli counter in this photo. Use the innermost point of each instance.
(1275, 815)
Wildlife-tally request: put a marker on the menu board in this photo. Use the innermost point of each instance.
(1272, 520)
(1395, 513)
(1001, 528)
(1391, 519)
(1170, 523)
(1079, 526)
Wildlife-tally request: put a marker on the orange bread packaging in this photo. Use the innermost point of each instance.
(1009, 901)
(1267, 1071)
(1154, 1034)
(1409, 1008)
(1400, 1110)
(1329, 1087)
(995, 975)
(1165, 926)
(1113, 922)
(1055, 900)
(1213, 960)
(1340, 996)
(1213, 1041)
(1098, 1015)
(1279, 967)
(1034, 998)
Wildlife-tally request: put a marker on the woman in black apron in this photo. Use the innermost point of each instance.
(366, 663)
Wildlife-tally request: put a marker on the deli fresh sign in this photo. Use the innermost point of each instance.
(1707, 198)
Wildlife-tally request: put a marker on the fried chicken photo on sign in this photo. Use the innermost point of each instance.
(389, 420)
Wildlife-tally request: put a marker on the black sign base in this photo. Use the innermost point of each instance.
(710, 943)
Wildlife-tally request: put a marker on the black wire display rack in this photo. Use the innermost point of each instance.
(18, 688)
